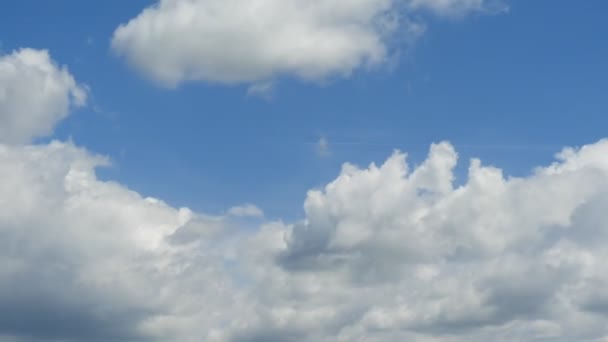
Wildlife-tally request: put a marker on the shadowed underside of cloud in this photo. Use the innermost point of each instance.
(256, 41)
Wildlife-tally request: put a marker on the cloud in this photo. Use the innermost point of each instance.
(460, 7)
(323, 147)
(82, 259)
(246, 210)
(385, 253)
(258, 41)
(66, 243)
(35, 94)
(493, 258)
(262, 90)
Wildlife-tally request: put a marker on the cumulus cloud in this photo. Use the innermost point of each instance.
(494, 259)
(257, 41)
(385, 253)
(35, 94)
(83, 259)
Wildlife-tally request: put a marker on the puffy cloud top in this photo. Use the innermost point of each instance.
(35, 94)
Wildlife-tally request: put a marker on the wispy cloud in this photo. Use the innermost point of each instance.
(246, 210)
(323, 147)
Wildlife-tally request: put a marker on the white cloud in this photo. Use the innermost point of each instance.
(246, 210)
(494, 259)
(82, 259)
(35, 94)
(385, 254)
(257, 41)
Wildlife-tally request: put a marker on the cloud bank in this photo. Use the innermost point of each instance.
(257, 41)
(385, 253)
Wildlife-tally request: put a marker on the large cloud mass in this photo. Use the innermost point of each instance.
(255, 41)
(385, 253)
(35, 94)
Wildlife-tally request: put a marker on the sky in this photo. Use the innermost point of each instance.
(261, 170)
(488, 83)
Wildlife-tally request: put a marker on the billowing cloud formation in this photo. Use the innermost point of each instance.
(494, 259)
(255, 41)
(35, 94)
(385, 254)
(83, 259)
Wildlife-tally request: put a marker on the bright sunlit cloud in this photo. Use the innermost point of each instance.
(254, 42)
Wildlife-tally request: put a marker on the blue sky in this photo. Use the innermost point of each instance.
(511, 88)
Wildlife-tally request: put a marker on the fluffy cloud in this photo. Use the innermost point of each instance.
(385, 254)
(35, 93)
(494, 259)
(256, 41)
(82, 259)
(388, 253)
